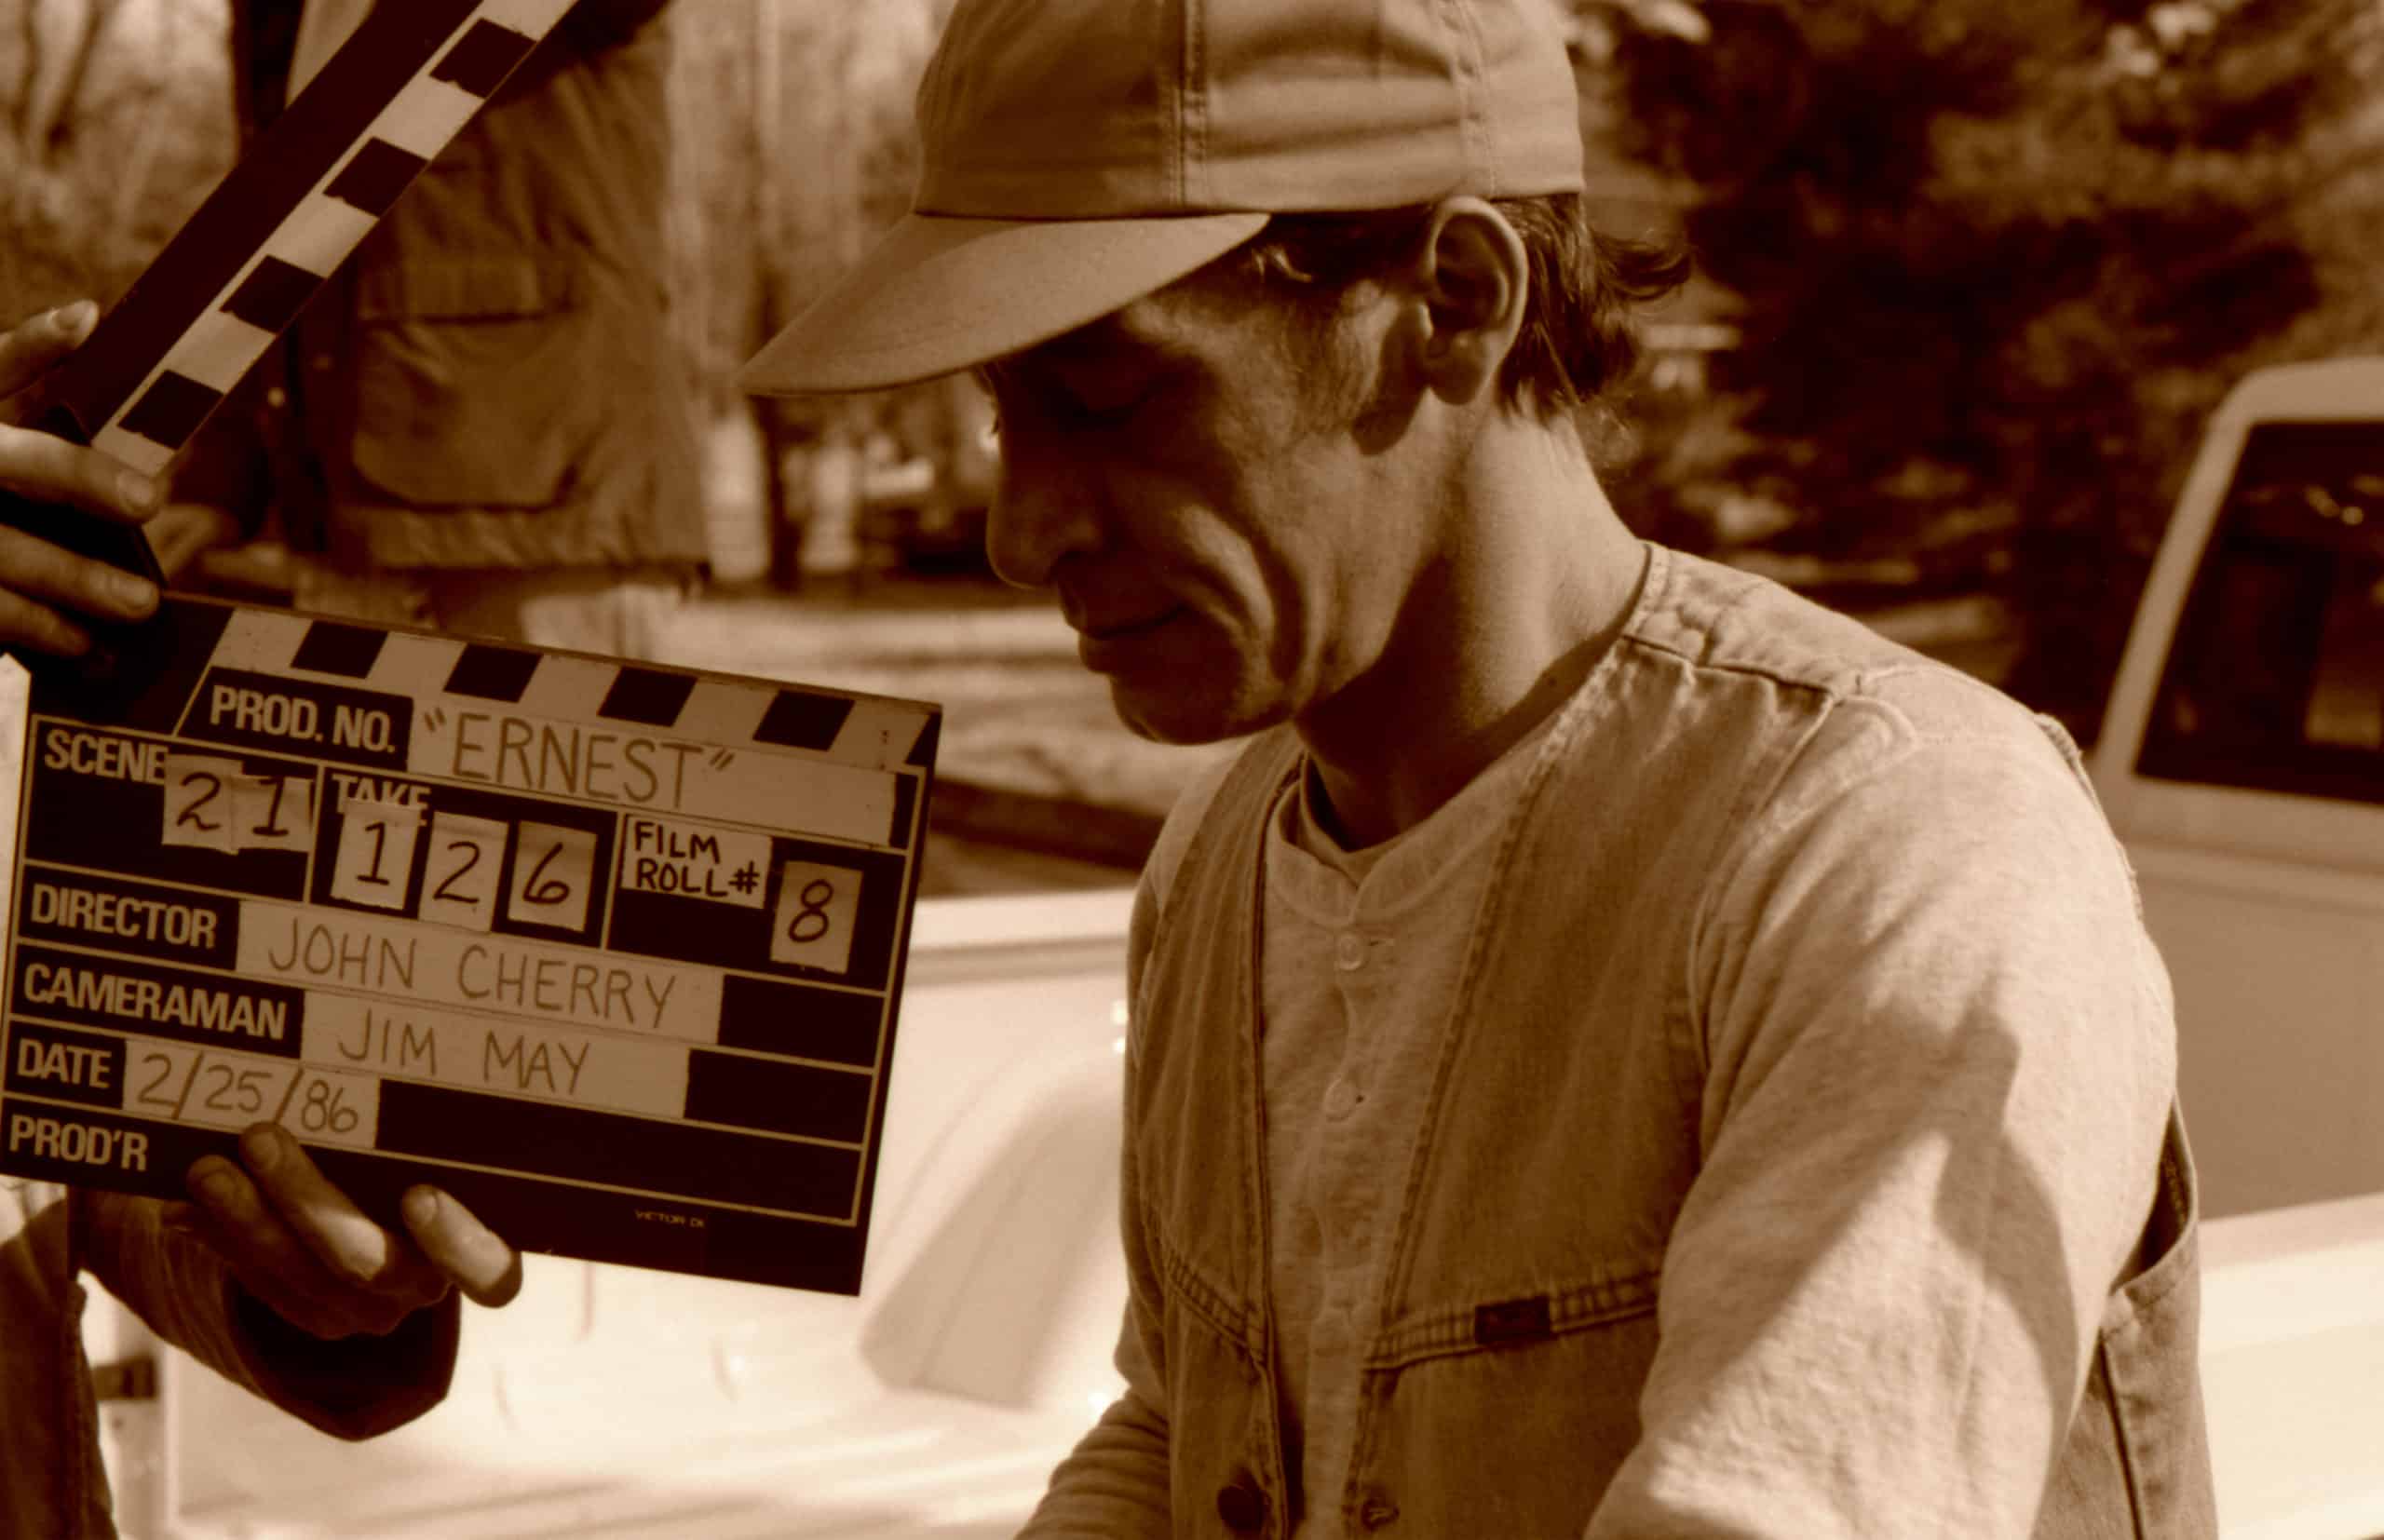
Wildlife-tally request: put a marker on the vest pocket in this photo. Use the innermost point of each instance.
(473, 384)
(1504, 1415)
(2136, 1464)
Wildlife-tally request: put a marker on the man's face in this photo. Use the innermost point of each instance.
(1232, 527)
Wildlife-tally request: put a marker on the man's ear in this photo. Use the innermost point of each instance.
(1474, 279)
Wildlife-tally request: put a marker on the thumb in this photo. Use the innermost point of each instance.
(28, 351)
(484, 1267)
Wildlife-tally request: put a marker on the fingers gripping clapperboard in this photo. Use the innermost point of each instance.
(613, 953)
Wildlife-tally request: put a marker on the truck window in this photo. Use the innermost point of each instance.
(2276, 679)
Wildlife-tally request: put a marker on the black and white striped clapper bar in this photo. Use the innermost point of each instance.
(310, 189)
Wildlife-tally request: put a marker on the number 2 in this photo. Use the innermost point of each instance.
(460, 875)
(148, 1094)
(445, 890)
(190, 815)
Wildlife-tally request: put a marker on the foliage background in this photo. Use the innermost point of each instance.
(1981, 267)
(1995, 261)
(116, 117)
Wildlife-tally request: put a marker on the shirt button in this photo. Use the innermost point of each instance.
(1341, 1099)
(1350, 956)
(1242, 1507)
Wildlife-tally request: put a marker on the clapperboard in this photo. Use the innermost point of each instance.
(611, 951)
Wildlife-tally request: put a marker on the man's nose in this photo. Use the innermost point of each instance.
(1040, 513)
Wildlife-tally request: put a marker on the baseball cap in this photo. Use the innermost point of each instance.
(1077, 155)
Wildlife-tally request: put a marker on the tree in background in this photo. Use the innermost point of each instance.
(116, 117)
(794, 126)
(1996, 260)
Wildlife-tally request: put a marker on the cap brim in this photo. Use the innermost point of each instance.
(940, 295)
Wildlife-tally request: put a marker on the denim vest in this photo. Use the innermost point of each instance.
(1520, 1317)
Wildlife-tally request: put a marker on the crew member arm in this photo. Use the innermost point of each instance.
(354, 1387)
(1938, 1059)
(51, 1482)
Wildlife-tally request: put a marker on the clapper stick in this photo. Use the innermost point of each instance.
(244, 266)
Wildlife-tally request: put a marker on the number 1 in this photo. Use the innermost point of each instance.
(272, 828)
(380, 847)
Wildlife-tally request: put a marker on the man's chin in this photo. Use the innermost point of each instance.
(1181, 722)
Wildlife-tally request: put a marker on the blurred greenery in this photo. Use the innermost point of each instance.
(116, 117)
(1995, 261)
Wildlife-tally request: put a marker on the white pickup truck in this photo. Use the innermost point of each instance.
(2243, 762)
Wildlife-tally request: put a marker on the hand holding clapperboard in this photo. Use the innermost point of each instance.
(612, 953)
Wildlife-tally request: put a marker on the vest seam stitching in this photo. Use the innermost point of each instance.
(1449, 1333)
(1189, 1285)
(1371, 1426)
(2131, 1481)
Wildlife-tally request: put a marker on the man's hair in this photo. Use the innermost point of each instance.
(1580, 336)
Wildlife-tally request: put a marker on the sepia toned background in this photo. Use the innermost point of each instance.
(1972, 274)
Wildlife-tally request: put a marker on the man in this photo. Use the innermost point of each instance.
(486, 424)
(269, 1275)
(1621, 1050)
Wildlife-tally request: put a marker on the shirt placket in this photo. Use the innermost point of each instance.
(1358, 1155)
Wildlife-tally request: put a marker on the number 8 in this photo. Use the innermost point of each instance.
(817, 895)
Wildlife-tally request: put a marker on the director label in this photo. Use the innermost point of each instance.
(120, 914)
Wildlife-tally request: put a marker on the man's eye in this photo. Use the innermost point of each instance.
(1086, 415)
(1098, 402)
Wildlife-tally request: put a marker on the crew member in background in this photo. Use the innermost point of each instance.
(485, 422)
(1620, 1051)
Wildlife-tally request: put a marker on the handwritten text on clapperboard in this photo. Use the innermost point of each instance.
(520, 914)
